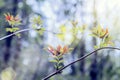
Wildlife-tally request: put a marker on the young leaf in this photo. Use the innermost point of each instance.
(41, 31)
(18, 35)
(59, 67)
(61, 61)
(53, 61)
(61, 36)
(63, 29)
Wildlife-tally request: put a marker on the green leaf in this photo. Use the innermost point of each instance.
(96, 47)
(62, 33)
(18, 35)
(61, 61)
(37, 20)
(9, 29)
(74, 30)
(93, 35)
(13, 29)
(2, 3)
(61, 36)
(59, 67)
(55, 66)
(41, 31)
(70, 49)
(99, 28)
(8, 74)
(60, 56)
(54, 61)
(63, 29)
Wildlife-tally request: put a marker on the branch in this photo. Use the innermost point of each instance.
(85, 56)
(23, 30)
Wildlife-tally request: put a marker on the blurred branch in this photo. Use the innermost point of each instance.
(24, 30)
(79, 59)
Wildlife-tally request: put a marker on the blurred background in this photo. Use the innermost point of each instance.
(26, 55)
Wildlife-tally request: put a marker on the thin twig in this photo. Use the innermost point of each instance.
(12, 34)
(54, 73)
(23, 30)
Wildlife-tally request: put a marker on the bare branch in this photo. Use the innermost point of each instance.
(85, 56)
(23, 30)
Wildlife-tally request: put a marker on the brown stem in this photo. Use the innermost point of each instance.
(79, 59)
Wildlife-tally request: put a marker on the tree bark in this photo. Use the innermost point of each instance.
(8, 41)
(82, 63)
